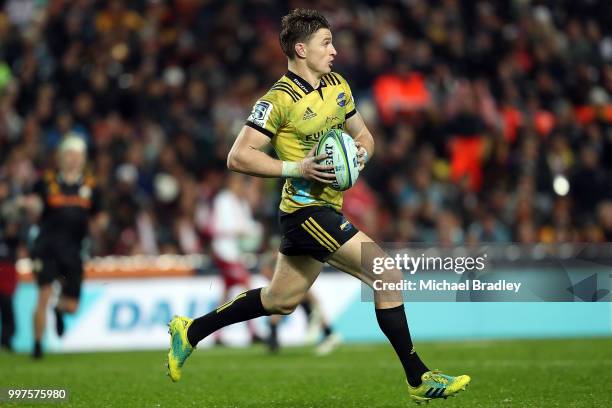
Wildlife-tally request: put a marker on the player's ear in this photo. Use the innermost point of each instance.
(300, 50)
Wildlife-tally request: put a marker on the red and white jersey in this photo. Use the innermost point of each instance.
(231, 220)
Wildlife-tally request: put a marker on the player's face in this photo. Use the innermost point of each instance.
(72, 161)
(320, 51)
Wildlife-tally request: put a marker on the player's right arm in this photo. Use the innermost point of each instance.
(33, 202)
(246, 155)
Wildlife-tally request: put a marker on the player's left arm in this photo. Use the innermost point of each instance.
(99, 218)
(355, 126)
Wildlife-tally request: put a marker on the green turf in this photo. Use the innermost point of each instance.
(525, 373)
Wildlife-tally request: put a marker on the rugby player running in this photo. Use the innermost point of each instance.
(304, 104)
(70, 204)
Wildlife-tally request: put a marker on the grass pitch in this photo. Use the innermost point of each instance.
(520, 373)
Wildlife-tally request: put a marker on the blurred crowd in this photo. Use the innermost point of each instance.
(492, 119)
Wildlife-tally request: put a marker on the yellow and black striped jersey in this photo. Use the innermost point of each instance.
(295, 115)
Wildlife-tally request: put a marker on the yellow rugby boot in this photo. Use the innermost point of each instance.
(437, 385)
(180, 348)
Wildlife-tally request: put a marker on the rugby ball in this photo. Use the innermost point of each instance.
(342, 154)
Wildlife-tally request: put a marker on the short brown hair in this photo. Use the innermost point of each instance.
(298, 26)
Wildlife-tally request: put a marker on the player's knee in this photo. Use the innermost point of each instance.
(283, 306)
(286, 308)
(276, 303)
(71, 307)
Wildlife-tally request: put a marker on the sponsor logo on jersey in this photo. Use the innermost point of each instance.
(341, 99)
(301, 85)
(334, 122)
(260, 113)
(316, 136)
(309, 114)
(346, 225)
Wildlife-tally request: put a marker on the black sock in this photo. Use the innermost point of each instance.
(393, 323)
(273, 338)
(273, 332)
(37, 353)
(245, 306)
(307, 308)
(59, 321)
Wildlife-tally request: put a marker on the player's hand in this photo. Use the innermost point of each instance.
(312, 170)
(362, 155)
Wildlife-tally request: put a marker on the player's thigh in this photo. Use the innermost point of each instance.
(353, 258)
(44, 295)
(72, 274)
(293, 276)
(46, 270)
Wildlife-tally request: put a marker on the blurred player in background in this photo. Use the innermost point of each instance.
(9, 242)
(232, 221)
(67, 200)
(317, 321)
(303, 105)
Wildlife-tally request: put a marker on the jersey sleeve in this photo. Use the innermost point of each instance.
(350, 101)
(268, 114)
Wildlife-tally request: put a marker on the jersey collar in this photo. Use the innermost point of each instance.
(302, 83)
(62, 179)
